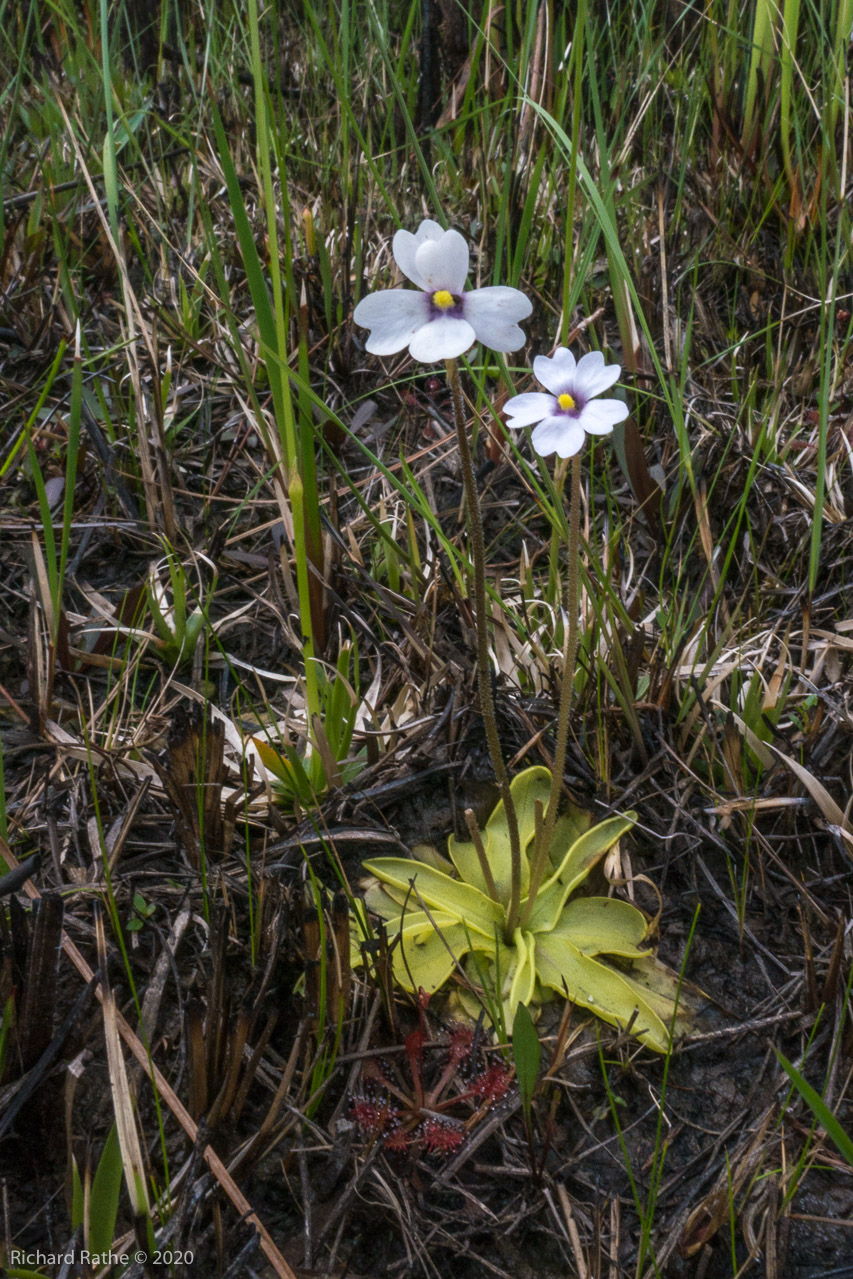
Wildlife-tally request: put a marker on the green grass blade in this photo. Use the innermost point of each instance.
(819, 1109)
(527, 1056)
(104, 1196)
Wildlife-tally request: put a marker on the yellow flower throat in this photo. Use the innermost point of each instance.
(443, 300)
(565, 401)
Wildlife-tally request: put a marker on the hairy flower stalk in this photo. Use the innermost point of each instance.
(439, 320)
(565, 413)
(484, 675)
(570, 648)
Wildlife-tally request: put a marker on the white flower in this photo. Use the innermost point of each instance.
(570, 409)
(442, 320)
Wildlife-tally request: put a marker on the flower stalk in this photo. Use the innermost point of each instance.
(484, 677)
(476, 840)
(439, 320)
(545, 834)
(562, 417)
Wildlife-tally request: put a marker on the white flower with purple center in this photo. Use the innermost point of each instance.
(441, 320)
(571, 410)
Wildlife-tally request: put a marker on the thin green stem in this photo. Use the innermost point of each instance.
(484, 677)
(570, 648)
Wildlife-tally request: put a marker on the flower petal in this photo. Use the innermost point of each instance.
(592, 376)
(600, 416)
(393, 317)
(443, 263)
(557, 373)
(494, 313)
(441, 339)
(561, 435)
(405, 246)
(533, 406)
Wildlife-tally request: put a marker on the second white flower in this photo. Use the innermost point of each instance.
(570, 411)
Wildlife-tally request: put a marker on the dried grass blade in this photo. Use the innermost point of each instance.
(128, 1137)
(817, 790)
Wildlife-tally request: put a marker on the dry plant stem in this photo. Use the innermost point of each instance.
(484, 677)
(570, 648)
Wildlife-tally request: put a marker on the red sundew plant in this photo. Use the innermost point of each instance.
(419, 1108)
(371, 1117)
(441, 1136)
(492, 1084)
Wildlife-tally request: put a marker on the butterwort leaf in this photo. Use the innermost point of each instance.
(603, 925)
(584, 853)
(594, 985)
(434, 888)
(594, 949)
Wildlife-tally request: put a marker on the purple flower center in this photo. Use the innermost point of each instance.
(570, 404)
(442, 303)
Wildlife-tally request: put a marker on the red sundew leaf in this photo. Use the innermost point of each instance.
(371, 1117)
(492, 1084)
(372, 1072)
(440, 1136)
(460, 1043)
(415, 1052)
(398, 1139)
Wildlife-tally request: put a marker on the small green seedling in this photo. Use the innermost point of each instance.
(143, 911)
